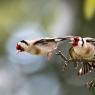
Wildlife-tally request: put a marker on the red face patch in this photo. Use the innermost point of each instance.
(18, 47)
(75, 41)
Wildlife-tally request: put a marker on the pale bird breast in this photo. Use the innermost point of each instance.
(87, 52)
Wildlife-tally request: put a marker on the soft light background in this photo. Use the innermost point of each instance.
(26, 74)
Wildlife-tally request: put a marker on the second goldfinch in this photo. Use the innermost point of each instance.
(83, 48)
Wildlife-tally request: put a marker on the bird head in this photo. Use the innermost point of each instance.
(22, 46)
(76, 41)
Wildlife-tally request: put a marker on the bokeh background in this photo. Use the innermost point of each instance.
(26, 74)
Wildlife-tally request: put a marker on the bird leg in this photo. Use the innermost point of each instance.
(63, 57)
(82, 65)
(90, 84)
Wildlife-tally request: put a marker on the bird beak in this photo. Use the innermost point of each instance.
(71, 40)
(18, 51)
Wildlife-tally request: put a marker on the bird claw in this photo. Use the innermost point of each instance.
(82, 68)
(64, 58)
(90, 84)
(59, 53)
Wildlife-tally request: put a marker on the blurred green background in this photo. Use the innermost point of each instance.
(26, 74)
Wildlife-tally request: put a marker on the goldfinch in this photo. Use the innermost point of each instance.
(42, 47)
(83, 48)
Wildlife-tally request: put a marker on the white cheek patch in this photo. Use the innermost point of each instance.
(23, 45)
(80, 43)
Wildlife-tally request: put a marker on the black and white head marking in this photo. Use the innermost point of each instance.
(23, 41)
(82, 41)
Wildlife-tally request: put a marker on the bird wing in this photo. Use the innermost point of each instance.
(47, 44)
(85, 68)
(88, 39)
(50, 43)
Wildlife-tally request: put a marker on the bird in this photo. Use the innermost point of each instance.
(82, 48)
(42, 46)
